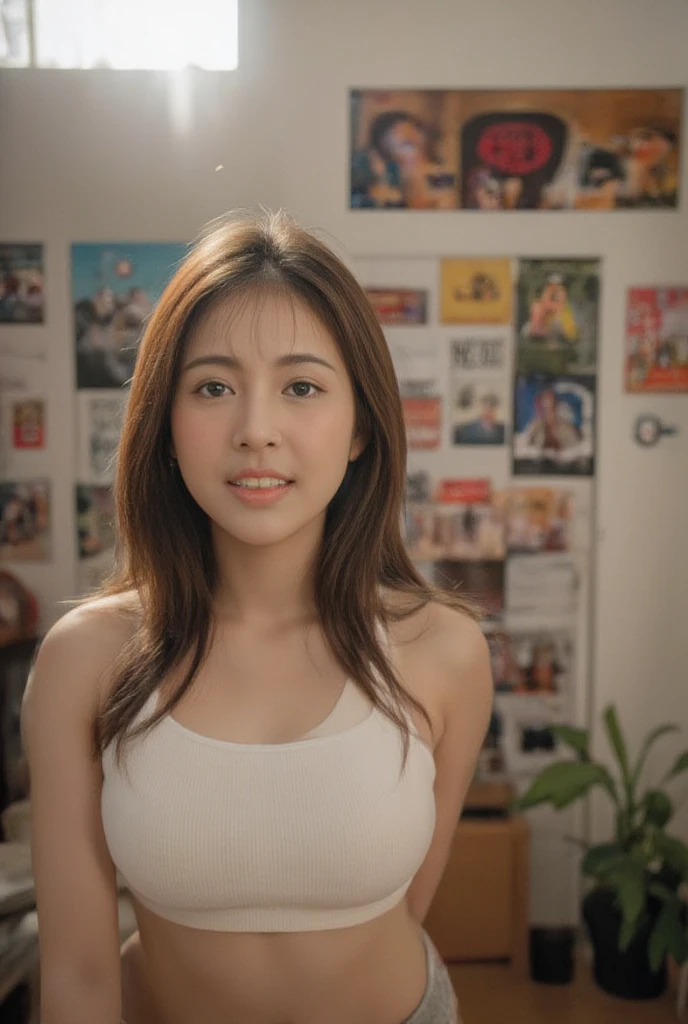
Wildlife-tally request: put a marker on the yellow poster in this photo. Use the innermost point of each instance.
(476, 291)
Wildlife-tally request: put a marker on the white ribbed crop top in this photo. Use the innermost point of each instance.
(319, 833)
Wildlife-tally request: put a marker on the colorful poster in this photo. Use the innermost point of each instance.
(403, 151)
(557, 316)
(462, 524)
(423, 421)
(512, 149)
(21, 284)
(469, 532)
(657, 339)
(480, 355)
(476, 291)
(554, 426)
(538, 519)
(28, 424)
(25, 521)
(115, 288)
(398, 306)
(534, 663)
(482, 582)
(478, 410)
(95, 534)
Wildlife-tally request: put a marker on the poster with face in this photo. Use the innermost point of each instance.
(25, 521)
(557, 316)
(515, 149)
(478, 410)
(22, 294)
(476, 291)
(536, 663)
(657, 340)
(403, 150)
(114, 290)
(554, 426)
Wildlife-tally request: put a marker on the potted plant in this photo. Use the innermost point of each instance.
(635, 909)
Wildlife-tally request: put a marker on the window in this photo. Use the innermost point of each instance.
(123, 34)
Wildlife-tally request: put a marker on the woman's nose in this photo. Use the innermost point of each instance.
(257, 423)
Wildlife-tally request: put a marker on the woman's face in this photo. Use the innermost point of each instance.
(263, 387)
(405, 142)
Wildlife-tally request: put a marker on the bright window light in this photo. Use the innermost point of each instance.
(156, 35)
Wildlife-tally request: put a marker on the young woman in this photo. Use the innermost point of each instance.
(267, 721)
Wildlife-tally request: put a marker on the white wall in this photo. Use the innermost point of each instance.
(132, 156)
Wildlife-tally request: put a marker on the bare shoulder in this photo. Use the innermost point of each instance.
(78, 650)
(447, 662)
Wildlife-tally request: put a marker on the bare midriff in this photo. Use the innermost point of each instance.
(372, 973)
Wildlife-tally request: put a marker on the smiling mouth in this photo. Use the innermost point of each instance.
(265, 483)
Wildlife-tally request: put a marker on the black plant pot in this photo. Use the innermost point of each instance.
(626, 973)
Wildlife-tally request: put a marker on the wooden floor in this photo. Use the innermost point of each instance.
(489, 994)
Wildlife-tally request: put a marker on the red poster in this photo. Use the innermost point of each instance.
(399, 305)
(28, 425)
(657, 340)
(423, 417)
(467, 492)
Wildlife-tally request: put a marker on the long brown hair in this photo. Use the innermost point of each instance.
(165, 553)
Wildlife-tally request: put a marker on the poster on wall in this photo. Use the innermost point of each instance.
(512, 149)
(21, 284)
(25, 521)
(100, 426)
(419, 373)
(95, 517)
(28, 424)
(538, 519)
(478, 410)
(114, 290)
(473, 354)
(657, 339)
(399, 306)
(465, 530)
(475, 291)
(541, 589)
(532, 663)
(554, 426)
(557, 316)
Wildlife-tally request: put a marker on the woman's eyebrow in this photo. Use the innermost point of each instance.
(232, 363)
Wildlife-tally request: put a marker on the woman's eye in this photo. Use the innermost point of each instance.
(212, 389)
(301, 389)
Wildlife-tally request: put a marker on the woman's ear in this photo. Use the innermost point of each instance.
(357, 447)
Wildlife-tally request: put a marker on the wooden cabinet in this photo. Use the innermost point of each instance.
(480, 910)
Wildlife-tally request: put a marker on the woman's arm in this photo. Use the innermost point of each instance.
(76, 890)
(461, 661)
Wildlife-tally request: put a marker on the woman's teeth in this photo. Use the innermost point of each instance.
(262, 482)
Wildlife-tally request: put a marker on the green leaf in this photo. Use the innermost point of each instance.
(629, 881)
(680, 765)
(674, 853)
(668, 935)
(562, 783)
(661, 730)
(577, 739)
(601, 859)
(658, 808)
(657, 946)
(618, 746)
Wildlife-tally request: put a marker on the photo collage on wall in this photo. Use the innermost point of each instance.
(496, 361)
(25, 490)
(115, 287)
(511, 149)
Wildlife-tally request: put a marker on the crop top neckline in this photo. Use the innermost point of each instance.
(170, 722)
